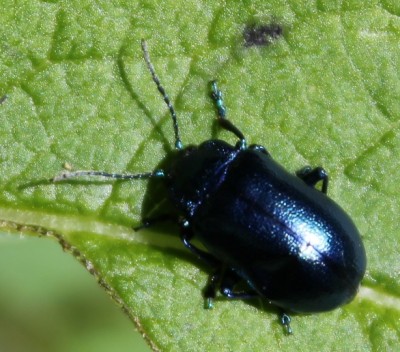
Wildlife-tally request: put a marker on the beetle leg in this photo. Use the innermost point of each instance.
(229, 280)
(186, 235)
(312, 176)
(222, 120)
(210, 290)
(226, 280)
(285, 321)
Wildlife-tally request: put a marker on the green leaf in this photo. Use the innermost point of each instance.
(326, 92)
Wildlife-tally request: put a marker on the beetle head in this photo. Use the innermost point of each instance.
(196, 171)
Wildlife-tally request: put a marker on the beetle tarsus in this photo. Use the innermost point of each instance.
(285, 320)
(208, 303)
(216, 95)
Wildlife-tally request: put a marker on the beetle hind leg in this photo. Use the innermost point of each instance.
(312, 176)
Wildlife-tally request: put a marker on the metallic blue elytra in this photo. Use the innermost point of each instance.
(291, 243)
(262, 226)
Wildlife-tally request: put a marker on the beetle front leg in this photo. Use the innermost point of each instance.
(186, 235)
(216, 95)
(312, 176)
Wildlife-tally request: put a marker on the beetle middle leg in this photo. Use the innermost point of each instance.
(312, 176)
(229, 280)
(225, 279)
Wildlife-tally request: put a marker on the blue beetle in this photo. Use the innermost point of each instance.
(261, 225)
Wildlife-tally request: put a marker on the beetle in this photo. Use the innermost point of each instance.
(260, 225)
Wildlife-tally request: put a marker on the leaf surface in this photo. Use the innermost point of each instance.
(324, 92)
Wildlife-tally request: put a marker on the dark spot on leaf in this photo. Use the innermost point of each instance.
(261, 34)
(3, 99)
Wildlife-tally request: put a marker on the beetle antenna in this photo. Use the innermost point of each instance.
(178, 142)
(67, 175)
